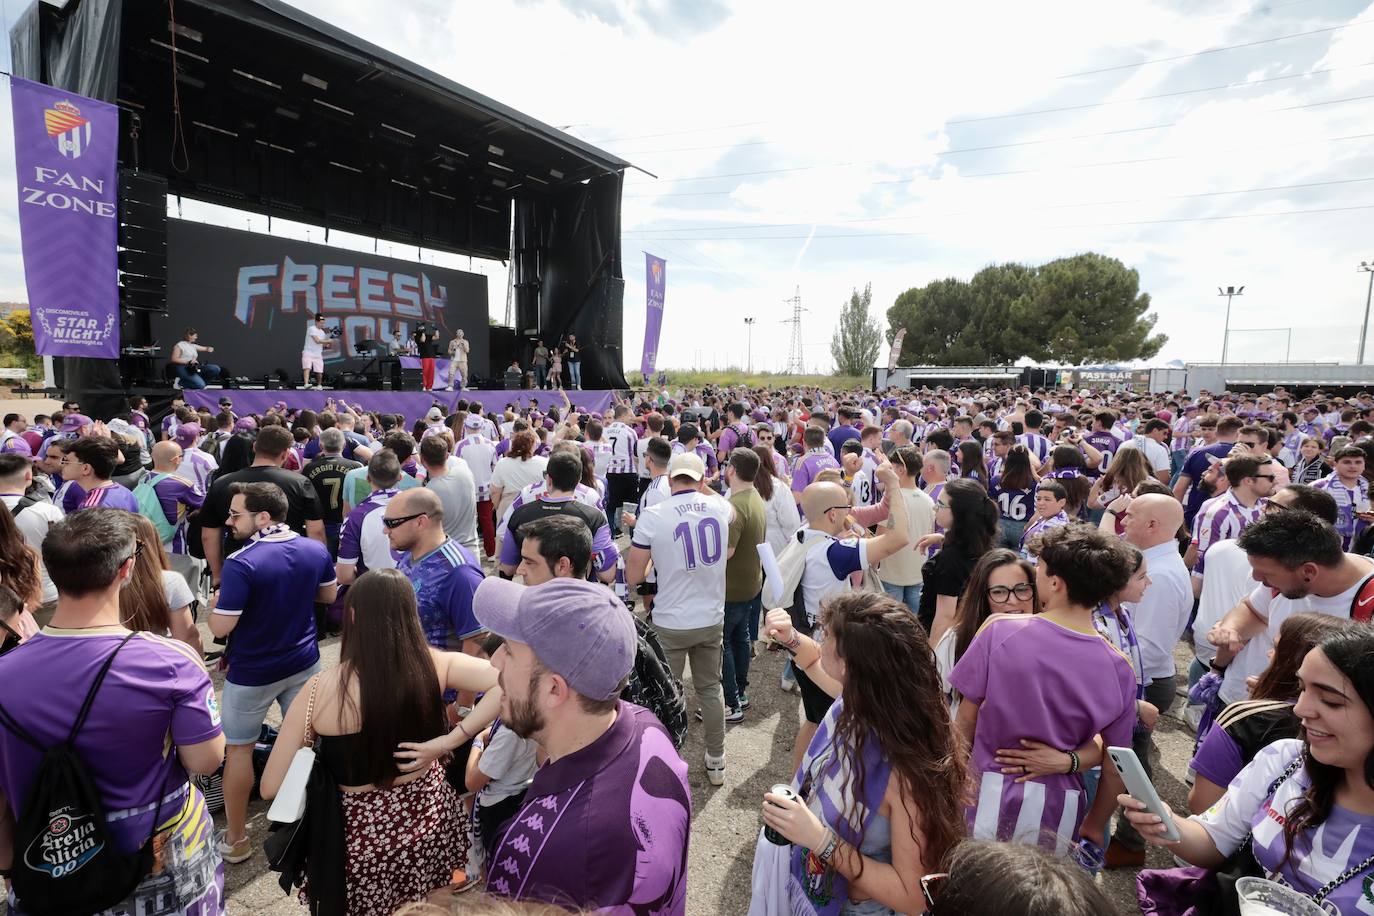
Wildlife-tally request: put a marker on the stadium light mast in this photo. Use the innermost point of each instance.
(1229, 292)
(1368, 268)
(749, 351)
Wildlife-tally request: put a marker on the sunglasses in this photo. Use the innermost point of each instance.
(394, 523)
(12, 638)
(931, 886)
(138, 549)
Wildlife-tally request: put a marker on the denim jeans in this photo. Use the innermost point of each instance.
(541, 374)
(575, 372)
(734, 657)
(910, 595)
(194, 380)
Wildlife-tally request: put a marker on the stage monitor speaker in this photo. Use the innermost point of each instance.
(142, 241)
(411, 380)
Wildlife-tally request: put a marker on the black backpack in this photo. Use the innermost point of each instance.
(653, 686)
(24, 502)
(64, 860)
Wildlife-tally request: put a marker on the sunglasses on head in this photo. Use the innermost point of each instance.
(11, 638)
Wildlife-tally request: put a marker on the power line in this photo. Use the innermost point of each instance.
(1096, 203)
(1040, 141)
(1142, 222)
(1244, 44)
(1161, 95)
(1054, 168)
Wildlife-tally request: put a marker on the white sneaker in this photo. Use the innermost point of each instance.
(715, 770)
(788, 684)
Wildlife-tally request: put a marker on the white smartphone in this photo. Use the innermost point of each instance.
(1139, 787)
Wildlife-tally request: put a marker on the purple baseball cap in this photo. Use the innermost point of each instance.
(577, 629)
(75, 422)
(16, 445)
(245, 424)
(280, 405)
(187, 434)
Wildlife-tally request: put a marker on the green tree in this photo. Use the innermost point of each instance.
(1084, 309)
(1081, 309)
(857, 338)
(20, 324)
(939, 320)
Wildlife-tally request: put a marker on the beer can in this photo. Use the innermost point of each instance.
(781, 790)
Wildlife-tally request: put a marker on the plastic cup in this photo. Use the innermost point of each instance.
(1259, 897)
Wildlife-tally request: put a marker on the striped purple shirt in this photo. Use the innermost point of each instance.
(1220, 518)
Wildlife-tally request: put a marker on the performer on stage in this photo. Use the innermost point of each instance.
(458, 349)
(191, 372)
(573, 354)
(312, 356)
(396, 344)
(541, 365)
(427, 347)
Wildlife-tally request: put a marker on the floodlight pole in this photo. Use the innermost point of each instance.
(749, 353)
(1368, 268)
(1229, 292)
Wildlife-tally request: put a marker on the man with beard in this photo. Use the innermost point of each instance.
(569, 648)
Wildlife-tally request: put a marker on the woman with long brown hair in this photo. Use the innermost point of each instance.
(1128, 468)
(1303, 810)
(404, 831)
(1246, 726)
(881, 788)
(157, 600)
(1001, 583)
(19, 564)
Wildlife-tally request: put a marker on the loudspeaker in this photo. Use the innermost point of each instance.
(142, 241)
(411, 380)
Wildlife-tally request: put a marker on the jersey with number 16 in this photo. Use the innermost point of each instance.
(687, 535)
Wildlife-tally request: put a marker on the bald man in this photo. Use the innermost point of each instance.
(445, 573)
(179, 495)
(828, 569)
(1152, 523)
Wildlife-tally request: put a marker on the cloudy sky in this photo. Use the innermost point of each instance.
(822, 146)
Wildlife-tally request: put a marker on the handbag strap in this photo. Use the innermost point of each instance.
(309, 737)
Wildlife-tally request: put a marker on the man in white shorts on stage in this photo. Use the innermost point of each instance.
(312, 356)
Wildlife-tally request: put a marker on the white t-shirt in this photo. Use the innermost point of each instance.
(178, 593)
(1228, 580)
(1155, 452)
(513, 474)
(185, 352)
(480, 454)
(687, 535)
(315, 339)
(1161, 614)
(1254, 658)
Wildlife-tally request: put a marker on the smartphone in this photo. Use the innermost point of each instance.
(1139, 787)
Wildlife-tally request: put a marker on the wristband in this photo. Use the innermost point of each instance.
(1073, 762)
(794, 643)
(831, 844)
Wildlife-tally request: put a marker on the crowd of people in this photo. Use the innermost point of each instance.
(987, 602)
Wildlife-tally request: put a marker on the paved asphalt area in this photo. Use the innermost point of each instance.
(726, 819)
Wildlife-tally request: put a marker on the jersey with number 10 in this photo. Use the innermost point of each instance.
(687, 535)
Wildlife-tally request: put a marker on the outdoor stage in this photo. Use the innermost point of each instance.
(410, 404)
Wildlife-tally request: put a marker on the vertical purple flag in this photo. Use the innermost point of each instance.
(656, 277)
(65, 150)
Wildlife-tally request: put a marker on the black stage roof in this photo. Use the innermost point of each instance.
(284, 114)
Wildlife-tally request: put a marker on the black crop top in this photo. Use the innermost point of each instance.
(346, 759)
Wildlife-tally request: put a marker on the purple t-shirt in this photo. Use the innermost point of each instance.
(622, 800)
(839, 436)
(811, 464)
(114, 496)
(1033, 678)
(270, 585)
(445, 580)
(172, 493)
(156, 688)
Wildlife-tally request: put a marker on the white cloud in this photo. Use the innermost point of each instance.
(856, 115)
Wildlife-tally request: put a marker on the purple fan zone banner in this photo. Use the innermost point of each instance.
(64, 151)
(410, 404)
(655, 279)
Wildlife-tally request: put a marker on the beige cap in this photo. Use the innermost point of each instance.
(687, 464)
